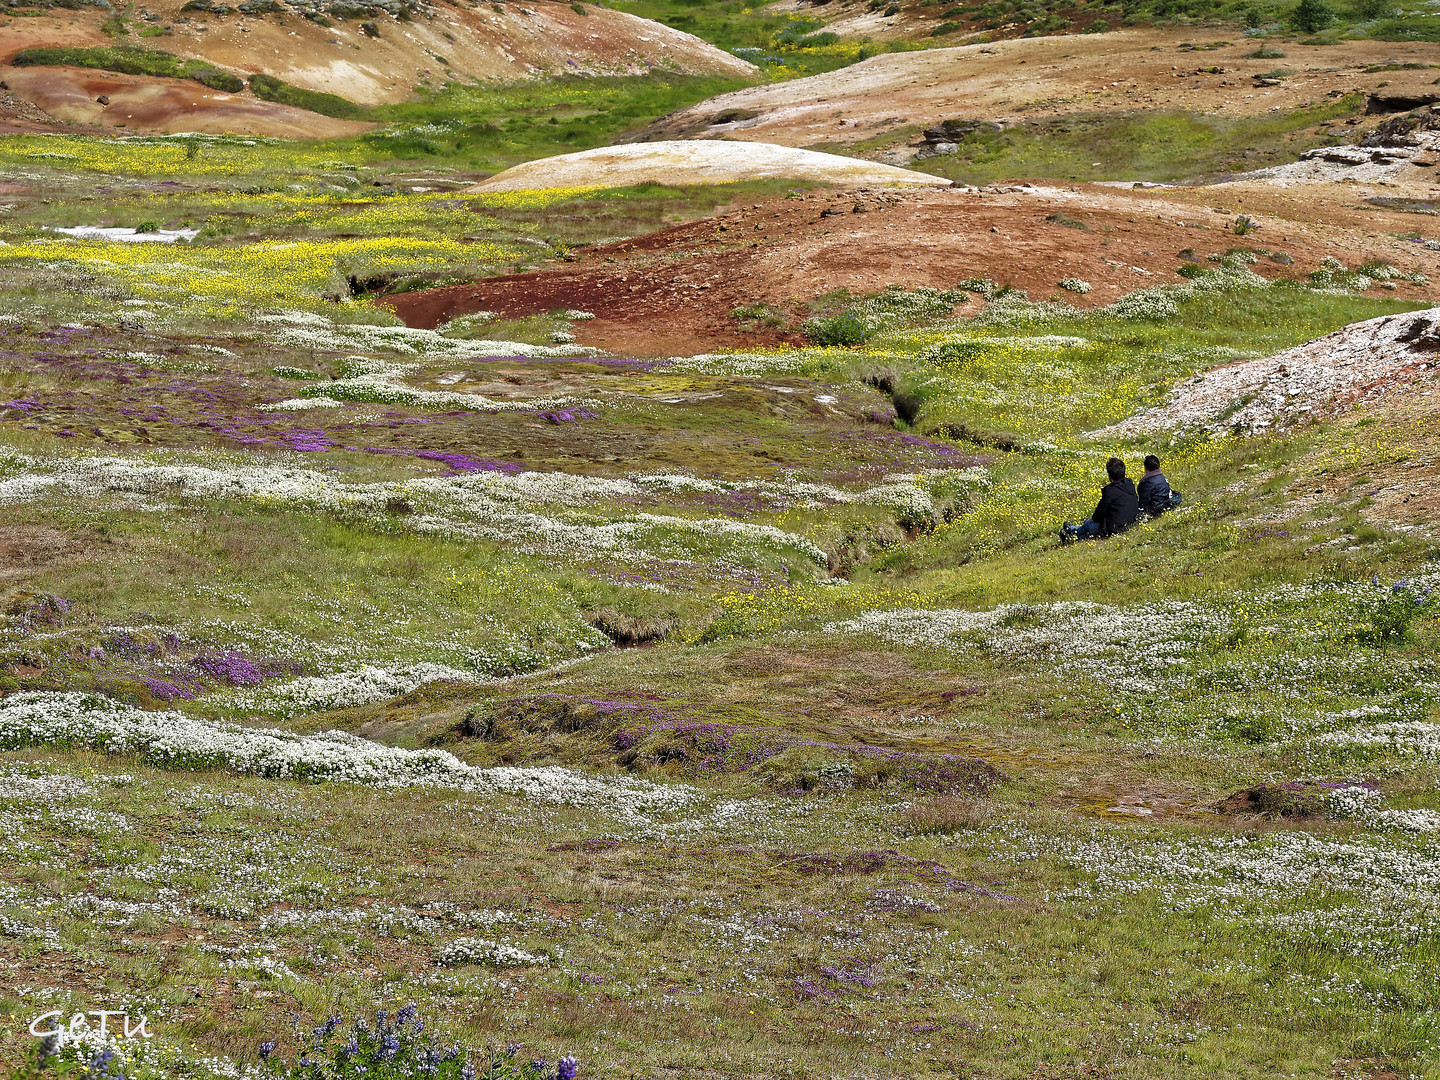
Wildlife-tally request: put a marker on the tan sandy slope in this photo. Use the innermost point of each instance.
(1037, 77)
(700, 163)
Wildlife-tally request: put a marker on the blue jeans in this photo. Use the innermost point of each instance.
(1087, 531)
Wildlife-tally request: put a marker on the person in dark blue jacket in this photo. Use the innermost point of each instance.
(1117, 510)
(1154, 490)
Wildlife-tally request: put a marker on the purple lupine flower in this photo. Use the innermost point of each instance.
(267, 1048)
(566, 1068)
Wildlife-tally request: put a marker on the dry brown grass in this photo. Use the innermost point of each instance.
(949, 813)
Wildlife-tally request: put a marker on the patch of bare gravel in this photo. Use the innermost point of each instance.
(1360, 362)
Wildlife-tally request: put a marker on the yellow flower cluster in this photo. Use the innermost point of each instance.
(176, 156)
(534, 198)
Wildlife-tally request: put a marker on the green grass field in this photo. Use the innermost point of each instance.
(728, 715)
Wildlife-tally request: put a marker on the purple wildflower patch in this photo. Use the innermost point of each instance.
(458, 462)
(237, 669)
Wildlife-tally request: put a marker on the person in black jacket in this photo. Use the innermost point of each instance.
(1154, 490)
(1117, 510)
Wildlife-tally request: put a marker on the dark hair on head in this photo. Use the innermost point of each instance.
(1151, 462)
(1115, 467)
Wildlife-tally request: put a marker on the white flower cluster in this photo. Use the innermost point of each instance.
(300, 404)
(344, 689)
(1353, 801)
(266, 967)
(41, 718)
(1188, 668)
(468, 950)
(1075, 285)
(1364, 805)
(1418, 738)
(13, 928)
(742, 365)
(465, 323)
(1250, 870)
(308, 331)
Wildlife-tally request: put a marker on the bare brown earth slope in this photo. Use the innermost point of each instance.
(371, 59)
(674, 291)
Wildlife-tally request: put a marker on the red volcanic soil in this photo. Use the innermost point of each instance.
(674, 291)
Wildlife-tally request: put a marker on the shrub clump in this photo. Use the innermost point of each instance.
(894, 307)
(842, 328)
(1390, 619)
(269, 88)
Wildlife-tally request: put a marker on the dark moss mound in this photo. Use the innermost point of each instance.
(282, 93)
(128, 60)
(1293, 799)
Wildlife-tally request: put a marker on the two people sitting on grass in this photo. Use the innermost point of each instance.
(1121, 504)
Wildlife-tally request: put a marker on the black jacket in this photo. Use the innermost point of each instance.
(1118, 508)
(1154, 493)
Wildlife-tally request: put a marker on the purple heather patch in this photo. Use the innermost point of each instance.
(171, 691)
(568, 416)
(237, 669)
(458, 462)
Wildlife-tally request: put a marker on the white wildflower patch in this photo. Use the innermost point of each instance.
(1417, 738)
(173, 739)
(1367, 896)
(1364, 805)
(308, 331)
(1190, 668)
(1078, 637)
(301, 404)
(465, 323)
(469, 950)
(344, 689)
(744, 365)
(262, 967)
(369, 379)
(476, 506)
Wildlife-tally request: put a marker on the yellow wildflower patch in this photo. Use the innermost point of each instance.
(221, 281)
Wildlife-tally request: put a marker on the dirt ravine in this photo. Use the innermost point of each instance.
(1037, 77)
(673, 292)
